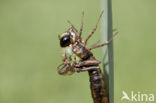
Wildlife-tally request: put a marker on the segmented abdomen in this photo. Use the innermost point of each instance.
(98, 87)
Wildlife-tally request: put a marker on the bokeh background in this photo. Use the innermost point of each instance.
(30, 51)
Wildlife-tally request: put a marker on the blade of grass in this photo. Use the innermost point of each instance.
(107, 51)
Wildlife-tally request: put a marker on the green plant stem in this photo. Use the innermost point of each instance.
(107, 51)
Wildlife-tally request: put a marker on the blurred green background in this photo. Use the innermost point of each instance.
(30, 51)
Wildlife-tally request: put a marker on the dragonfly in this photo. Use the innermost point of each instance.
(77, 57)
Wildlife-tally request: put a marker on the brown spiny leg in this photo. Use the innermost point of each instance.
(59, 66)
(82, 69)
(66, 69)
(95, 43)
(62, 70)
(81, 28)
(72, 26)
(94, 29)
(65, 66)
(87, 63)
(75, 30)
(101, 45)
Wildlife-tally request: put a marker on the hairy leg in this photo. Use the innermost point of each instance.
(62, 70)
(101, 45)
(95, 43)
(82, 69)
(87, 63)
(81, 28)
(72, 25)
(94, 29)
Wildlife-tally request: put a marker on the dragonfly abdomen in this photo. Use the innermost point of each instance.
(97, 85)
(98, 88)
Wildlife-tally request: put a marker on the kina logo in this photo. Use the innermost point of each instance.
(137, 96)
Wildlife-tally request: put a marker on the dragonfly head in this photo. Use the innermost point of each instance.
(64, 39)
(67, 38)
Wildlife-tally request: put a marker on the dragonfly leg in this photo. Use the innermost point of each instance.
(64, 69)
(86, 68)
(87, 63)
(101, 45)
(72, 26)
(81, 28)
(96, 43)
(94, 29)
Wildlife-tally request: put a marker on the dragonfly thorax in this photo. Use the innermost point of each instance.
(69, 55)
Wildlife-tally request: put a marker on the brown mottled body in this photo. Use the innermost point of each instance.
(97, 84)
(87, 62)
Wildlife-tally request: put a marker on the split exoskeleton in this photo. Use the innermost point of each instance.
(78, 58)
(74, 54)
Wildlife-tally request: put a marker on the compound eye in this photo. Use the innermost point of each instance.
(65, 41)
